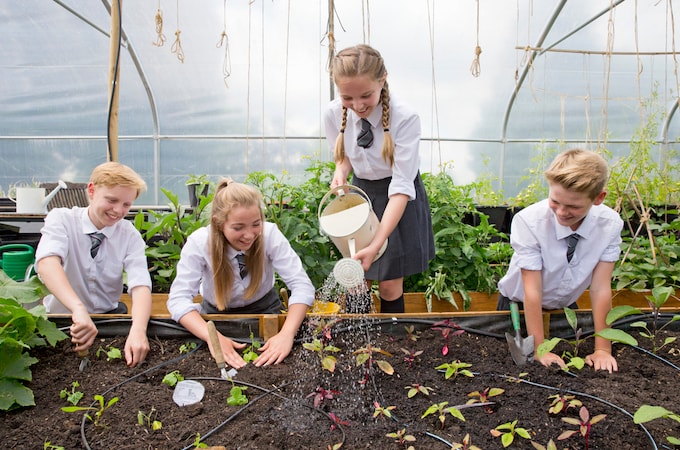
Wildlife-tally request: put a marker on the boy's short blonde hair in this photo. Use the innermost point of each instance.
(579, 170)
(111, 174)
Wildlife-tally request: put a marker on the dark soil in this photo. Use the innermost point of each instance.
(280, 414)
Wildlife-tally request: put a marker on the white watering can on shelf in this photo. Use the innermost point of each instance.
(32, 200)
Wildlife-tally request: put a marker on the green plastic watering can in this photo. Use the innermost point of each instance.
(16, 259)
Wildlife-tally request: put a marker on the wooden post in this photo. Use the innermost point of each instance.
(114, 80)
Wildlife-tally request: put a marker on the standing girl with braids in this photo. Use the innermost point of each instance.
(377, 139)
(231, 263)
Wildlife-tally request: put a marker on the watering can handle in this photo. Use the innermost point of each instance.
(8, 247)
(342, 189)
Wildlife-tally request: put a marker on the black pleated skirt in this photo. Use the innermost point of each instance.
(410, 247)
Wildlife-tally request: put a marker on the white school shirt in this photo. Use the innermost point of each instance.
(540, 243)
(195, 273)
(367, 163)
(99, 282)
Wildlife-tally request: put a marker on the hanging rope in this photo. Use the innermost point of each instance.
(160, 37)
(476, 68)
(177, 45)
(224, 42)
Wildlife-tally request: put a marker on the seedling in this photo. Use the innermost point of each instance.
(322, 327)
(465, 445)
(365, 356)
(507, 432)
(48, 446)
(400, 437)
(584, 423)
(149, 420)
(336, 421)
(647, 412)
(187, 347)
(197, 442)
(382, 411)
(659, 297)
(442, 409)
(111, 354)
(411, 334)
(446, 327)
(327, 361)
(484, 396)
(321, 394)
(411, 356)
(414, 389)
(172, 378)
(74, 395)
(250, 354)
(455, 368)
(551, 445)
(562, 403)
(103, 406)
(236, 395)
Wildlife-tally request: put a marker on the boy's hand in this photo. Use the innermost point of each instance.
(83, 331)
(549, 359)
(602, 360)
(136, 348)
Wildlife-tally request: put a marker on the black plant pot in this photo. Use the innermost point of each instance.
(193, 197)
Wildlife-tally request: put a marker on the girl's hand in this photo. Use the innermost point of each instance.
(274, 350)
(229, 347)
(602, 360)
(366, 256)
(549, 359)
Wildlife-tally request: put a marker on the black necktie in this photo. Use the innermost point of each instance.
(572, 240)
(96, 238)
(365, 138)
(242, 269)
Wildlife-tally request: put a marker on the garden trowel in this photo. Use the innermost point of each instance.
(84, 359)
(219, 356)
(521, 350)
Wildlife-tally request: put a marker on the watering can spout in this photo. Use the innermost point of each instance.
(60, 185)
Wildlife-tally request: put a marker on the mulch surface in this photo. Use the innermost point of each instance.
(281, 414)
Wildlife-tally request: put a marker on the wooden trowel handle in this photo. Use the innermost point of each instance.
(215, 342)
(83, 353)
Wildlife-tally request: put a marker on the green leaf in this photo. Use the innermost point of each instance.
(619, 312)
(616, 335)
(14, 394)
(648, 413)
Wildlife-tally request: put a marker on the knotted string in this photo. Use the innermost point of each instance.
(96, 238)
(365, 138)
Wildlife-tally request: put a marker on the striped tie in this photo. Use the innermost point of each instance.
(572, 240)
(96, 238)
(242, 269)
(365, 138)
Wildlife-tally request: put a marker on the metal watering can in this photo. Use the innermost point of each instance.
(349, 220)
(32, 200)
(16, 260)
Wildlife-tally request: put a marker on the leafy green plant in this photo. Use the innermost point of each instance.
(442, 409)
(237, 396)
(250, 353)
(647, 413)
(584, 424)
(197, 442)
(484, 397)
(111, 353)
(72, 396)
(327, 361)
(166, 233)
(507, 432)
(98, 410)
(20, 331)
(657, 300)
(187, 347)
(402, 438)
(149, 420)
(172, 378)
(366, 356)
(562, 403)
(414, 389)
(455, 368)
(571, 356)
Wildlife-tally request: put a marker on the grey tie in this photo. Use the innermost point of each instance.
(242, 269)
(365, 138)
(96, 238)
(572, 240)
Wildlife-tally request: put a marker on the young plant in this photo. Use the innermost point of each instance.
(237, 396)
(550, 446)
(98, 411)
(507, 432)
(584, 423)
(197, 442)
(411, 356)
(562, 403)
(187, 347)
(366, 356)
(74, 395)
(455, 368)
(336, 421)
(111, 354)
(172, 378)
(149, 420)
(382, 411)
(320, 395)
(401, 438)
(327, 361)
(411, 334)
(414, 389)
(48, 446)
(250, 354)
(657, 300)
(647, 413)
(484, 396)
(447, 327)
(465, 445)
(442, 409)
